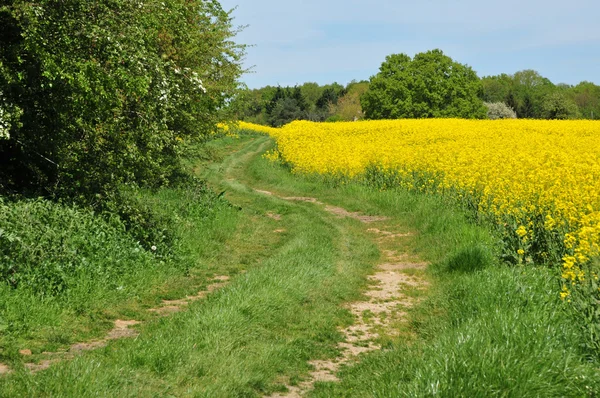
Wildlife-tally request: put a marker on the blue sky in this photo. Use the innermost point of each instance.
(339, 40)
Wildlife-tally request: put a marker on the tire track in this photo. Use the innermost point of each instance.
(122, 329)
(386, 300)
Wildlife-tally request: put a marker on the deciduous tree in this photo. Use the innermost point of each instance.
(429, 85)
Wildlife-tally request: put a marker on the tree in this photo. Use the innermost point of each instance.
(587, 97)
(558, 105)
(348, 107)
(311, 91)
(301, 102)
(286, 110)
(496, 88)
(499, 110)
(430, 85)
(107, 91)
(527, 93)
(286, 104)
(330, 95)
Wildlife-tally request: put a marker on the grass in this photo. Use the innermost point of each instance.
(481, 329)
(281, 309)
(494, 332)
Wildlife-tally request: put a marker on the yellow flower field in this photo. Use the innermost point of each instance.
(538, 180)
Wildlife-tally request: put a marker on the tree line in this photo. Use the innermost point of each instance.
(431, 84)
(276, 105)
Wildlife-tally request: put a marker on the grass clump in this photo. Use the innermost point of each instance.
(470, 259)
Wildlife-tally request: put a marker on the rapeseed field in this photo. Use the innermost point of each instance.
(537, 181)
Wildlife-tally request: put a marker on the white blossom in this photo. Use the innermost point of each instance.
(6, 118)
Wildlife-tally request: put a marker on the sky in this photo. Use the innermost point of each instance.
(326, 41)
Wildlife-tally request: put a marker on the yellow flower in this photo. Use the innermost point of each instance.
(522, 231)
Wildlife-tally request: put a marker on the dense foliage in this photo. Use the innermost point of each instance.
(48, 248)
(533, 96)
(429, 85)
(97, 94)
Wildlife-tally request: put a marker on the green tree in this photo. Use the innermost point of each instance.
(558, 105)
(301, 102)
(429, 85)
(286, 110)
(109, 90)
(496, 88)
(330, 95)
(311, 91)
(285, 105)
(587, 97)
(527, 93)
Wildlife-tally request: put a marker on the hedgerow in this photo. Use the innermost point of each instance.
(99, 94)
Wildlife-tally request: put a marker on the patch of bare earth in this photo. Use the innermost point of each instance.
(4, 369)
(274, 216)
(385, 305)
(301, 199)
(121, 330)
(338, 211)
(171, 306)
(264, 192)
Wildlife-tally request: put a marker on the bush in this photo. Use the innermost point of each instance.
(499, 110)
(48, 248)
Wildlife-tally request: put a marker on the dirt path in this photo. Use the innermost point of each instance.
(121, 330)
(390, 294)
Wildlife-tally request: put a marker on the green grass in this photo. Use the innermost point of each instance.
(481, 329)
(497, 332)
(251, 336)
(68, 272)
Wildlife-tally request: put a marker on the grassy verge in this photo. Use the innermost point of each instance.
(68, 273)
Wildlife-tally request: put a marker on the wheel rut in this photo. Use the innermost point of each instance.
(122, 329)
(390, 294)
